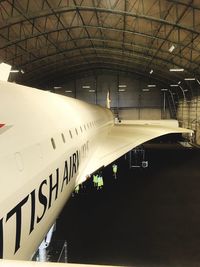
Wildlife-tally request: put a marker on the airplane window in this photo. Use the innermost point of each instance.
(63, 137)
(70, 133)
(88, 125)
(76, 131)
(53, 143)
(84, 126)
(81, 129)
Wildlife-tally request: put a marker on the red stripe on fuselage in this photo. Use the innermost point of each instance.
(1, 125)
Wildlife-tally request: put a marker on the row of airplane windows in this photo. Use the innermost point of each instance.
(85, 127)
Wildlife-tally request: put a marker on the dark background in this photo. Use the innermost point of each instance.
(147, 217)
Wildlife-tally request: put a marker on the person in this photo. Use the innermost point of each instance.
(77, 189)
(114, 166)
(100, 182)
(95, 180)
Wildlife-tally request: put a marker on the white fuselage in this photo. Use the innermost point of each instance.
(45, 145)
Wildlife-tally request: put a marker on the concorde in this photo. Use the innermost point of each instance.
(48, 145)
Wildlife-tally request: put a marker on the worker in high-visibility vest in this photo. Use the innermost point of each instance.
(95, 180)
(114, 166)
(100, 182)
(77, 189)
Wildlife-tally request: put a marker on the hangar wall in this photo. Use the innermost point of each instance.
(188, 114)
(128, 100)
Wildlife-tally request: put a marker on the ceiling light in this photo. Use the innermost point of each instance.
(185, 90)
(68, 91)
(151, 71)
(189, 79)
(91, 91)
(57, 87)
(176, 70)
(179, 82)
(86, 86)
(146, 90)
(151, 85)
(22, 71)
(174, 85)
(14, 71)
(164, 89)
(122, 90)
(122, 85)
(171, 49)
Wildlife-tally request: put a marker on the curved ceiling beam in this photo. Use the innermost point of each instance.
(145, 35)
(118, 42)
(61, 10)
(75, 70)
(108, 49)
(32, 23)
(50, 68)
(98, 69)
(179, 17)
(184, 4)
(10, 43)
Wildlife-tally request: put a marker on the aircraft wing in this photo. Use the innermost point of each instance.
(123, 138)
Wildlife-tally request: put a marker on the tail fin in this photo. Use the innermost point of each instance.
(108, 100)
(4, 71)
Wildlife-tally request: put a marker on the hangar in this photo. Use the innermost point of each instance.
(145, 53)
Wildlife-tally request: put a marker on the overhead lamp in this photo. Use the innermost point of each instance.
(57, 87)
(146, 90)
(22, 71)
(14, 71)
(189, 79)
(68, 91)
(151, 71)
(151, 85)
(171, 49)
(86, 86)
(173, 85)
(92, 91)
(164, 89)
(185, 90)
(122, 85)
(179, 82)
(121, 90)
(176, 70)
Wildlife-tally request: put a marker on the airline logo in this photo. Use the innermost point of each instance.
(1, 125)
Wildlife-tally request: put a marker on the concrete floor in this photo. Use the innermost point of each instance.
(147, 217)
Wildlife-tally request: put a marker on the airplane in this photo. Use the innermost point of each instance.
(49, 144)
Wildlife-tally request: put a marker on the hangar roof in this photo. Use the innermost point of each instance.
(49, 38)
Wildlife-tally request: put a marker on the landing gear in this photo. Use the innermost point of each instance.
(42, 251)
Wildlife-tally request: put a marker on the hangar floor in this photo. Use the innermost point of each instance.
(147, 217)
